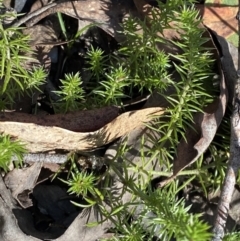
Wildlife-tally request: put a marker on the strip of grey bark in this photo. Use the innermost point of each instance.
(43, 157)
(233, 82)
(233, 167)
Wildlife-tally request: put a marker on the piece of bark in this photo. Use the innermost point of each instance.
(43, 157)
(233, 165)
(40, 138)
(80, 121)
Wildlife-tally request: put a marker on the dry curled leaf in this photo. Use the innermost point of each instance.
(104, 13)
(80, 121)
(22, 181)
(109, 15)
(40, 138)
(221, 19)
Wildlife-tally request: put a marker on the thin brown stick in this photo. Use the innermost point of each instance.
(34, 14)
(234, 162)
(233, 167)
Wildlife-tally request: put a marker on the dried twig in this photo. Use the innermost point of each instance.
(43, 157)
(233, 167)
(234, 162)
(28, 17)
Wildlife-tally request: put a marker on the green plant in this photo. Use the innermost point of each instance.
(140, 65)
(15, 79)
(96, 61)
(81, 183)
(232, 236)
(194, 69)
(147, 65)
(62, 25)
(211, 174)
(71, 94)
(8, 149)
(112, 89)
(137, 65)
(173, 218)
(159, 212)
(15, 73)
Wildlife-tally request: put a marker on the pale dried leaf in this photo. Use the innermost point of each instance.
(80, 121)
(44, 138)
(221, 19)
(8, 225)
(19, 180)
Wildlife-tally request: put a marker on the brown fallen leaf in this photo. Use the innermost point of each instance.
(22, 181)
(230, 65)
(233, 165)
(104, 13)
(38, 4)
(107, 15)
(221, 19)
(80, 121)
(41, 34)
(9, 228)
(39, 138)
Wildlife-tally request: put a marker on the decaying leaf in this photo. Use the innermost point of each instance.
(109, 16)
(104, 13)
(10, 229)
(221, 19)
(229, 65)
(20, 180)
(41, 34)
(38, 4)
(40, 138)
(80, 121)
